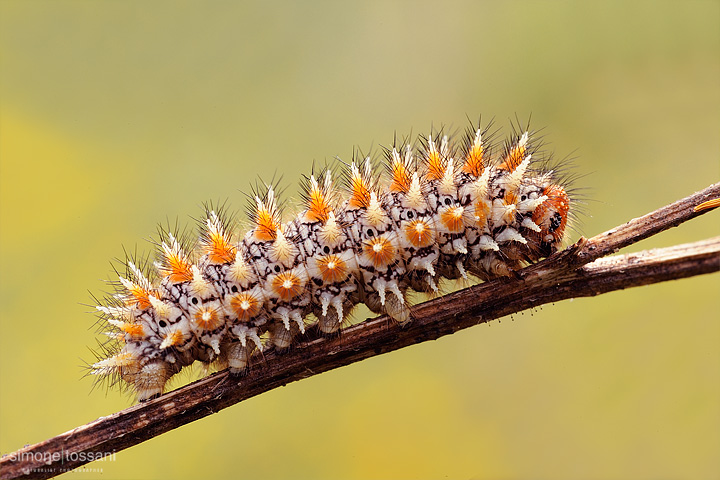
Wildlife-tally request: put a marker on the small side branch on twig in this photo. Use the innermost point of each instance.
(578, 271)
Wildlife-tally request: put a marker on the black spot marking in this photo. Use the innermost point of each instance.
(555, 222)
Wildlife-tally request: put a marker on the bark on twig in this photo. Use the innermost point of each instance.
(578, 271)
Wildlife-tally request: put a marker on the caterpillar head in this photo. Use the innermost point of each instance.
(551, 216)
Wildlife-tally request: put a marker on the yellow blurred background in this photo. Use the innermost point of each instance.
(117, 116)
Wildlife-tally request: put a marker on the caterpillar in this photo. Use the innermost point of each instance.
(441, 207)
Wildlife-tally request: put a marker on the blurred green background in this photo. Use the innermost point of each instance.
(117, 116)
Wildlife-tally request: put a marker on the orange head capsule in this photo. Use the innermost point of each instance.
(551, 216)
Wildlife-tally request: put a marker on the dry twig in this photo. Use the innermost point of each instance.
(578, 271)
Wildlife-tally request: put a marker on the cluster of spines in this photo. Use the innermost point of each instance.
(442, 212)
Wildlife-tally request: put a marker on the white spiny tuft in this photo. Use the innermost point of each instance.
(298, 319)
(215, 344)
(381, 292)
(433, 285)
(445, 145)
(396, 290)
(271, 198)
(447, 184)
(415, 196)
(479, 187)
(395, 155)
(110, 365)
(487, 243)
(126, 283)
(516, 176)
(427, 265)
(325, 302)
(461, 269)
(161, 308)
(375, 214)
(282, 250)
(115, 323)
(199, 285)
(252, 335)
(533, 204)
(478, 138)
(285, 317)
(368, 167)
(141, 280)
(337, 303)
(354, 171)
(528, 223)
(510, 235)
(330, 233)
(524, 139)
(122, 313)
(239, 271)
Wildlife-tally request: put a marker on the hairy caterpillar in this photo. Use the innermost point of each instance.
(443, 209)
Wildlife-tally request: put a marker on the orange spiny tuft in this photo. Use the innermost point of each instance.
(436, 159)
(435, 167)
(515, 154)
(266, 224)
(510, 198)
(133, 329)
(140, 295)
(452, 218)
(219, 249)
(400, 173)
(474, 164)
(481, 213)
(215, 243)
(287, 285)
(419, 233)
(245, 305)
(359, 188)
(318, 208)
(380, 250)
(175, 337)
(207, 318)
(266, 216)
(175, 264)
(332, 268)
(177, 268)
(360, 197)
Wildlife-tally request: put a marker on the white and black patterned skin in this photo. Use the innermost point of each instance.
(451, 212)
(243, 330)
(322, 246)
